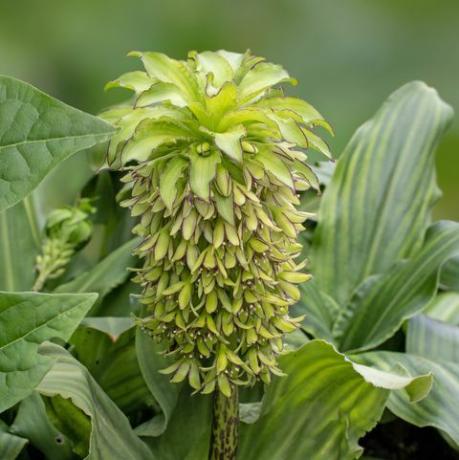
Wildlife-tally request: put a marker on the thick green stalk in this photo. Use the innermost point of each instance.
(225, 426)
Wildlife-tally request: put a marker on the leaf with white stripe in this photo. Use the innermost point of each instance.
(432, 339)
(450, 275)
(10, 444)
(323, 406)
(445, 307)
(111, 434)
(384, 302)
(439, 408)
(377, 206)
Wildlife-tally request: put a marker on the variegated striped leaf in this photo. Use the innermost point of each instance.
(377, 206)
(323, 406)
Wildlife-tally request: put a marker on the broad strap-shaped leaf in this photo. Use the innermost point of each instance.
(439, 408)
(319, 310)
(19, 245)
(10, 444)
(433, 339)
(27, 319)
(37, 132)
(382, 303)
(32, 423)
(107, 274)
(376, 208)
(106, 347)
(445, 307)
(322, 407)
(165, 393)
(450, 275)
(188, 433)
(111, 434)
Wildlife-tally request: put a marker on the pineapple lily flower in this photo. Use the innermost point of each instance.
(215, 159)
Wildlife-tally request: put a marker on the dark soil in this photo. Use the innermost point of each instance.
(398, 440)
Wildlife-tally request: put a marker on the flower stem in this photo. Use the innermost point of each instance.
(225, 426)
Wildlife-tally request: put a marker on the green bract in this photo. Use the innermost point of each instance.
(218, 161)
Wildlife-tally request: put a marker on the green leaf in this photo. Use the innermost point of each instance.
(37, 132)
(10, 444)
(19, 246)
(320, 310)
(111, 325)
(111, 434)
(164, 392)
(450, 275)
(329, 403)
(168, 181)
(32, 423)
(106, 275)
(376, 208)
(230, 143)
(106, 347)
(202, 173)
(439, 409)
(188, 433)
(27, 320)
(382, 303)
(432, 339)
(445, 307)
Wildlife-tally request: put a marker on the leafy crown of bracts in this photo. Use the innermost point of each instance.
(215, 158)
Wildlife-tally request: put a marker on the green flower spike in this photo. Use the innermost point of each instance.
(66, 230)
(215, 158)
(214, 153)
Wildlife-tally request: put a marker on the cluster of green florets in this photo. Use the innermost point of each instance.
(214, 181)
(66, 229)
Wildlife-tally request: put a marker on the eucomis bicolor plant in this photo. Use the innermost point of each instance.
(215, 158)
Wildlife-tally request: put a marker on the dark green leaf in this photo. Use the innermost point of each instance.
(37, 132)
(164, 392)
(32, 423)
(19, 245)
(27, 320)
(107, 274)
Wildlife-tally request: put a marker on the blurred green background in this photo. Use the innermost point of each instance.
(347, 54)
